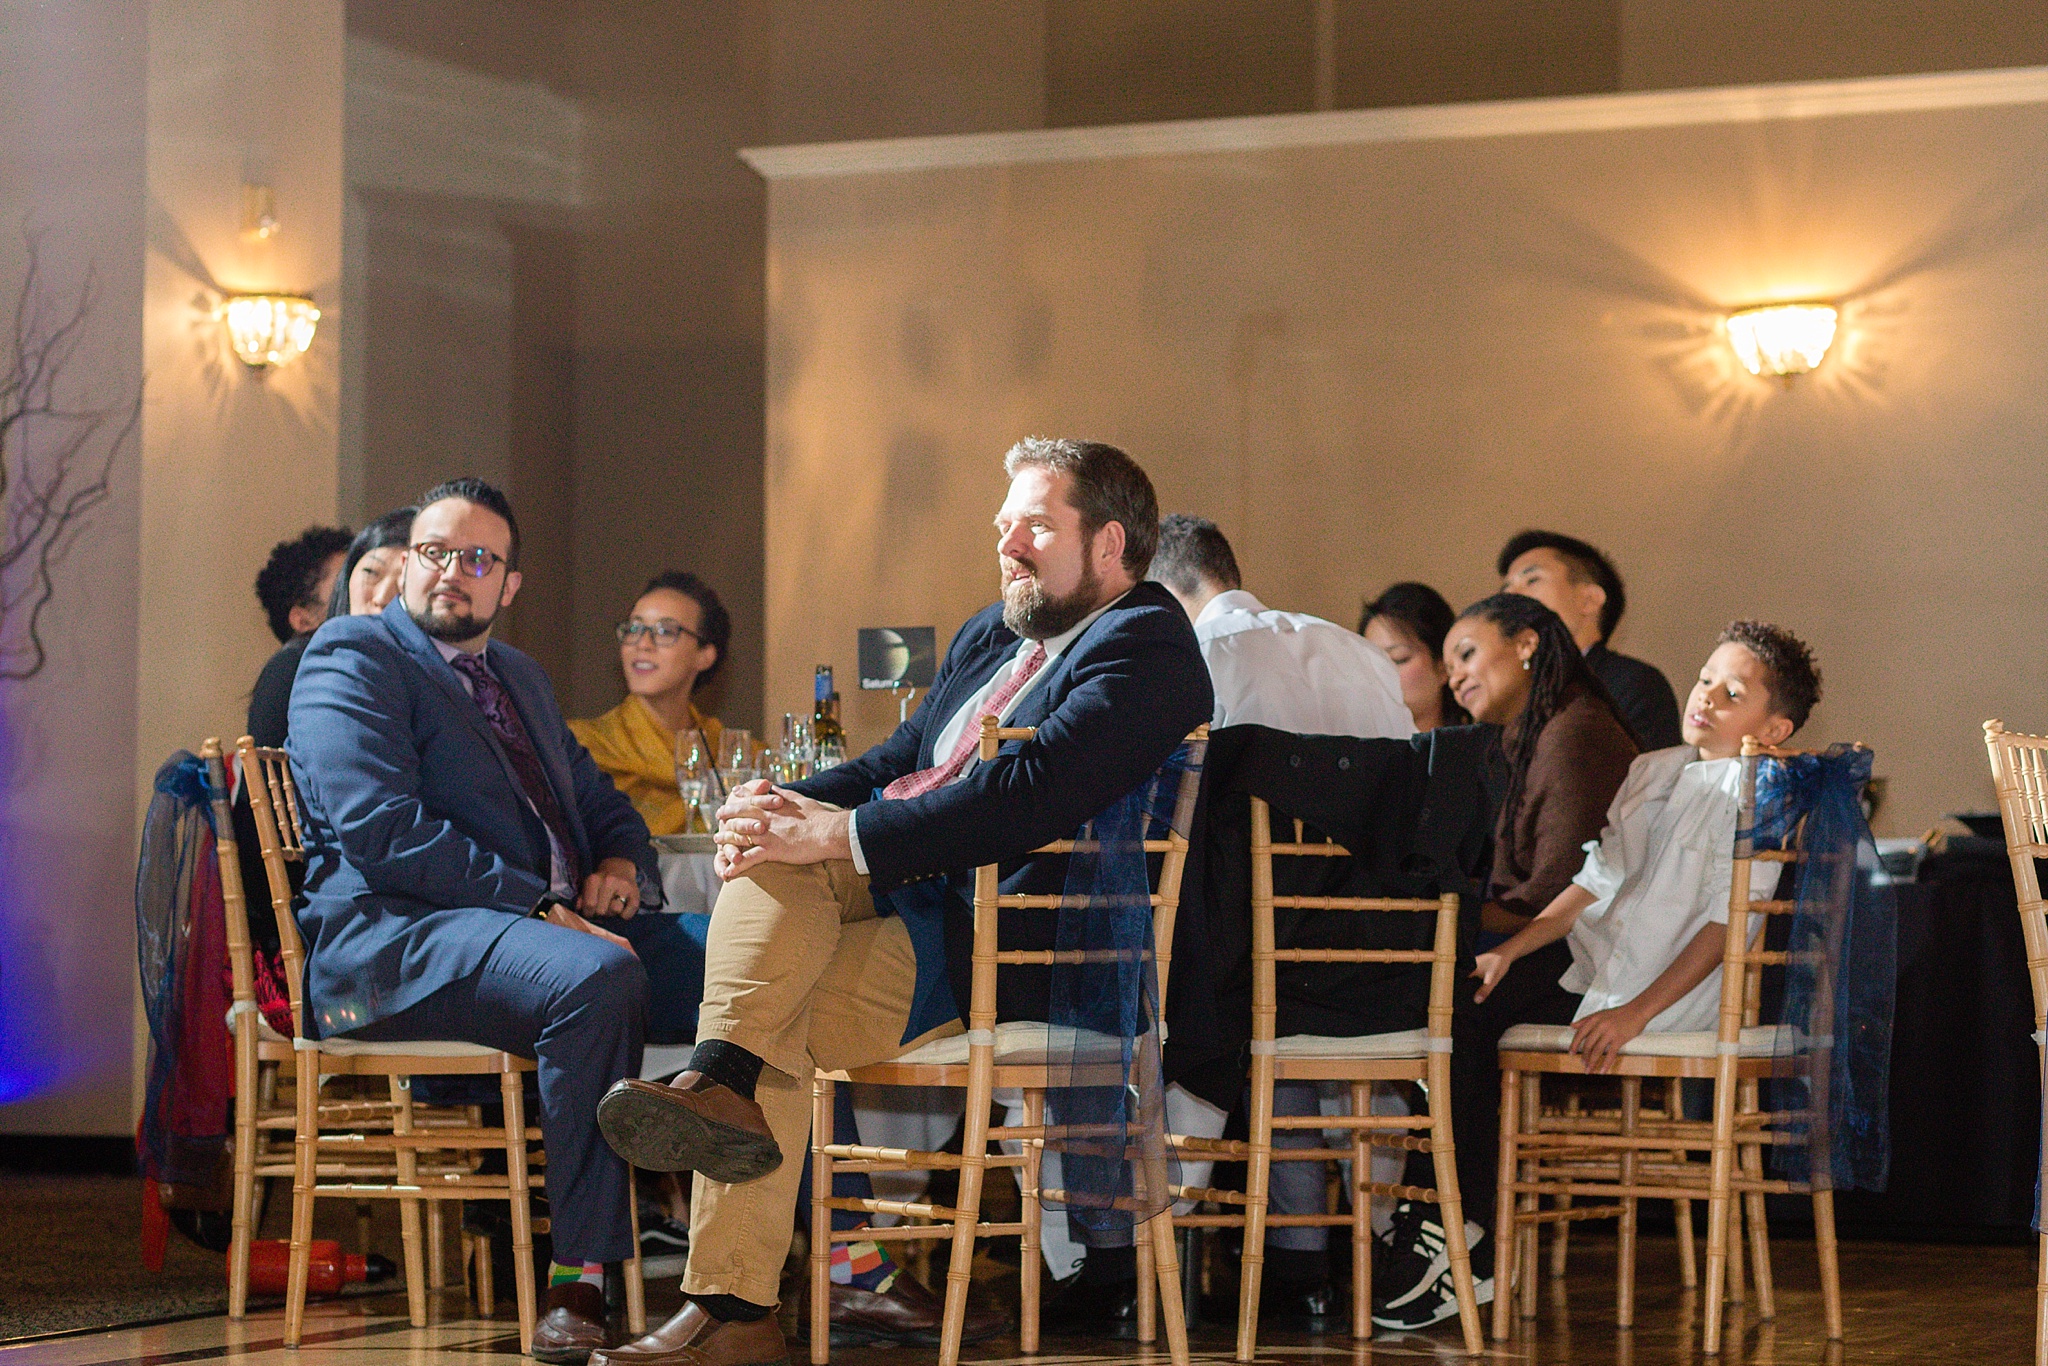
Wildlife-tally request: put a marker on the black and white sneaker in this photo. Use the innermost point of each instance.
(664, 1244)
(1418, 1290)
(1411, 1257)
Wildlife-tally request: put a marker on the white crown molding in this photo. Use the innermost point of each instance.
(1419, 123)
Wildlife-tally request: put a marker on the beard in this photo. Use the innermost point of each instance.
(1033, 614)
(446, 626)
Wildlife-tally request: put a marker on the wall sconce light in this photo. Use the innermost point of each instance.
(1782, 339)
(268, 330)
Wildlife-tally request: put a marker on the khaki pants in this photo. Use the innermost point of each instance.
(800, 972)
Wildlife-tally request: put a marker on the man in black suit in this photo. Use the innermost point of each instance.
(1582, 586)
(802, 971)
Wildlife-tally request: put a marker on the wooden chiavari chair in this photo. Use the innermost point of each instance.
(1416, 1055)
(263, 1124)
(1018, 1055)
(1632, 1156)
(274, 800)
(2019, 768)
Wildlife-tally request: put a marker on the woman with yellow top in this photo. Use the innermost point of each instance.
(672, 645)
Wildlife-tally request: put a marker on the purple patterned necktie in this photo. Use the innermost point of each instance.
(496, 705)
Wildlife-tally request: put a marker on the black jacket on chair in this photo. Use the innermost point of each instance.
(1110, 710)
(1417, 816)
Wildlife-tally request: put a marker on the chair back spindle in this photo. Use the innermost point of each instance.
(280, 838)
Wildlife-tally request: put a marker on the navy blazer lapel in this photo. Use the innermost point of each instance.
(988, 653)
(414, 641)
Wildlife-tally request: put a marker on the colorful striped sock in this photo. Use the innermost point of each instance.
(562, 1273)
(863, 1265)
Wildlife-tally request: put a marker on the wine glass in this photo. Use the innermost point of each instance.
(735, 758)
(693, 775)
(792, 762)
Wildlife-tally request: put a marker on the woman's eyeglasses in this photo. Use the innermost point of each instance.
(476, 562)
(664, 632)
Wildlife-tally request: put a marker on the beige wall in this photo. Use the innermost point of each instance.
(71, 172)
(232, 461)
(1375, 360)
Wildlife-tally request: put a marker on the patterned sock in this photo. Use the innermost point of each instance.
(728, 1064)
(562, 1273)
(864, 1266)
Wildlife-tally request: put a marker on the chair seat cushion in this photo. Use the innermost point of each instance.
(1024, 1043)
(1402, 1043)
(1758, 1041)
(409, 1048)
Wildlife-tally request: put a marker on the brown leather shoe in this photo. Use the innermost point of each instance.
(695, 1125)
(571, 1324)
(694, 1338)
(906, 1313)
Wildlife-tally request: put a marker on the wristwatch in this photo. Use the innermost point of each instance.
(548, 901)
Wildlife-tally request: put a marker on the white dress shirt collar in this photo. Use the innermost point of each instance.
(1232, 600)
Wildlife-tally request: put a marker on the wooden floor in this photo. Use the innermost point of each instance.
(1928, 1305)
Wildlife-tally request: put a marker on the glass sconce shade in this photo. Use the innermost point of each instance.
(1782, 339)
(270, 329)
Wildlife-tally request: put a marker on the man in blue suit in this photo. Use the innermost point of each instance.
(462, 850)
(801, 970)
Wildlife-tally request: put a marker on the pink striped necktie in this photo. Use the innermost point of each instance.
(926, 779)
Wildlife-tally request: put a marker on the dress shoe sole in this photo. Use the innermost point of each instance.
(660, 1134)
(563, 1356)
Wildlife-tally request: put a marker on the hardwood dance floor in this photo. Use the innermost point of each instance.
(1922, 1304)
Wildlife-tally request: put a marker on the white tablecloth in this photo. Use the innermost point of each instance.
(687, 883)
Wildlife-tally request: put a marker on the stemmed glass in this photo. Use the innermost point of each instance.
(693, 776)
(792, 762)
(735, 759)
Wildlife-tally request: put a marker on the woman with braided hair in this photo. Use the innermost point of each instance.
(1513, 664)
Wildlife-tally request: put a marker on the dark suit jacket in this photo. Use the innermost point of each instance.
(1641, 694)
(1417, 816)
(1109, 711)
(421, 846)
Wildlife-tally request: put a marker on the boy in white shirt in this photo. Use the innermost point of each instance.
(1647, 916)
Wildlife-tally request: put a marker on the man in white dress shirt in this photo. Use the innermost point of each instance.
(1306, 676)
(1285, 670)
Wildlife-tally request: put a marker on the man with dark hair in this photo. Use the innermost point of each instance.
(1583, 587)
(293, 586)
(298, 578)
(461, 847)
(1285, 670)
(801, 970)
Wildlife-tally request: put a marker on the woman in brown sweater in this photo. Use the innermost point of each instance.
(1513, 664)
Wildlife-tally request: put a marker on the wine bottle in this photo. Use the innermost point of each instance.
(826, 732)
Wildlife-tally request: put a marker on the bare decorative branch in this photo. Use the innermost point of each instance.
(57, 456)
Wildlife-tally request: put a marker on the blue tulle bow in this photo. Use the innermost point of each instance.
(1104, 1043)
(1834, 1043)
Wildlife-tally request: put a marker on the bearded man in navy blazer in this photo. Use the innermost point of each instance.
(801, 970)
(461, 849)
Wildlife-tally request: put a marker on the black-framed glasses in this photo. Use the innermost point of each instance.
(664, 632)
(476, 562)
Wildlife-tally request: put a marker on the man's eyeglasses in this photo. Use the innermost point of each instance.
(664, 632)
(476, 562)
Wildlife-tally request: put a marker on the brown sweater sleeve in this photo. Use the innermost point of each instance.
(1580, 761)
